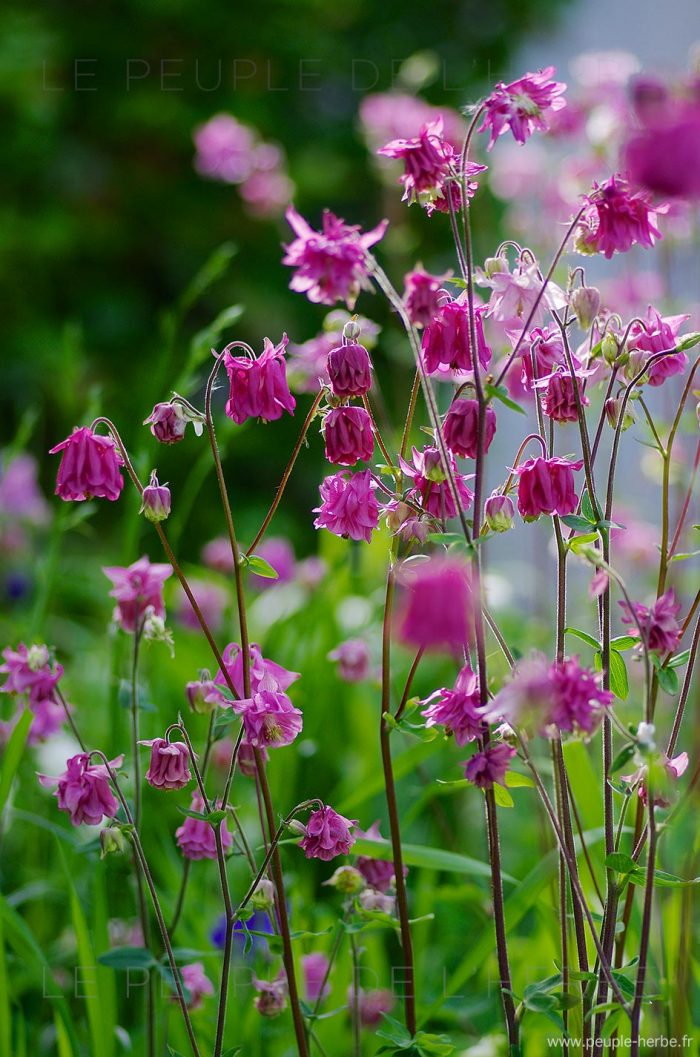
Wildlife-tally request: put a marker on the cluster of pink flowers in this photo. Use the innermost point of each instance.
(269, 718)
(657, 624)
(33, 677)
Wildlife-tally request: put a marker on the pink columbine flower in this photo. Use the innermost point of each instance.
(371, 1006)
(272, 995)
(349, 370)
(458, 710)
(499, 512)
(263, 672)
(137, 588)
(258, 386)
(515, 295)
(169, 767)
(616, 218)
(461, 427)
(155, 500)
(544, 345)
(488, 767)
(31, 673)
(353, 659)
(664, 156)
(331, 265)
(657, 623)
(348, 434)
(430, 485)
(327, 834)
(523, 106)
(21, 498)
(196, 982)
(546, 486)
(224, 149)
(656, 334)
(576, 698)
(168, 422)
(83, 790)
(421, 295)
(672, 771)
(525, 697)
(270, 720)
(559, 396)
(196, 838)
(379, 873)
(315, 968)
(348, 506)
(447, 340)
(437, 604)
(90, 467)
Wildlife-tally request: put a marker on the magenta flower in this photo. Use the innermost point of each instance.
(379, 873)
(196, 838)
(437, 604)
(269, 718)
(430, 485)
(545, 345)
(225, 149)
(258, 386)
(457, 710)
(461, 427)
(576, 698)
(348, 434)
(21, 498)
(489, 767)
(353, 658)
(29, 669)
(523, 106)
(664, 157)
(659, 334)
(657, 624)
(138, 588)
(315, 968)
(272, 995)
(499, 512)
(616, 218)
(447, 342)
(264, 673)
(559, 396)
(169, 767)
(168, 422)
(90, 467)
(421, 296)
(331, 265)
(196, 982)
(217, 554)
(349, 370)
(348, 506)
(327, 834)
(83, 790)
(155, 500)
(546, 486)
(371, 1006)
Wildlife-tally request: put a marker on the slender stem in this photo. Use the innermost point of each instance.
(69, 717)
(646, 925)
(409, 683)
(136, 763)
(356, 1026)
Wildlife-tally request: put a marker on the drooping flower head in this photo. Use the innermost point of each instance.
(90, 467)
(546, 486)
(272, 995)
(489, 767)
(447, 340)
(258, 386)
(544, 352)
(83, 790)
(348, 434)
(349, 370)
(518, 295)
(658, 623)
(379, 873)
(457, 709)
(664, 156)
(168, 422)
(499, 512)
(196, 838)
(331, 264)
(559, 394)
(431, 488)
(617, 217)
(156, 500)
(461, 427)
(196, 983)
(353, 660)
(437, 604)
(169, 767)
(316, 969)
(348, 506)
(523, 106)
(137, 588)
(327, 834)
(421, 295)
(654, 334)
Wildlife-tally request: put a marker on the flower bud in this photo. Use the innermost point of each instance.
(201, 694)
(609, 348)
(585, 303)
(493, 265)
(155, 501)
(351, 330)
(636, 361)
(432, 466)
(612, 412)
(263, 898)
(297, 827)
(347, 880)
(499, 512)
(112, 841)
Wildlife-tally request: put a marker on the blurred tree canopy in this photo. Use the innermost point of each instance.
(104, 220)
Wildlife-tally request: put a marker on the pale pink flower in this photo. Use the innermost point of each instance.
(138, 589)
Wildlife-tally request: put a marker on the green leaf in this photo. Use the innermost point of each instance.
(502, 796)
(612, 1022)
(619, 683)
(429, 858)
(515, 780)
(574, 521)
(127, 958)
(668, 680)
(12, 755)
(663, 880)
(623, 642)
(260, 567)
(584, 636)
(624, 756)
(501, 393)
(679, 660)
(621, 863)
(684, 557)
(578, 542)
(587, 508)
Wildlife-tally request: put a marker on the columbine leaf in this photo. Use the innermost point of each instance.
(623, 757)
(259, 566)
(621, 863)
(668, 680)
(574, 521)
(127, 958)
(584, 636)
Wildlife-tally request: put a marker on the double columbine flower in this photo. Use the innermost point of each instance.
(559, 394)
(348, 435)
(349, 370)
(84, 790)
(196, 838)
(331, 265)
(457, 710)
(169, 767)
(657, 624)
(327, 834)
(490, 766)
(33, 676)
(258, 386)
(430, 486)
(90, 467)
(617, 217)
(447, 339)
(523, 106)
(168, 422)
(657, 333)
(348, 506)
(546, 486)
(461, 427)
(437, 604)
(421, 295)
(138, 589)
